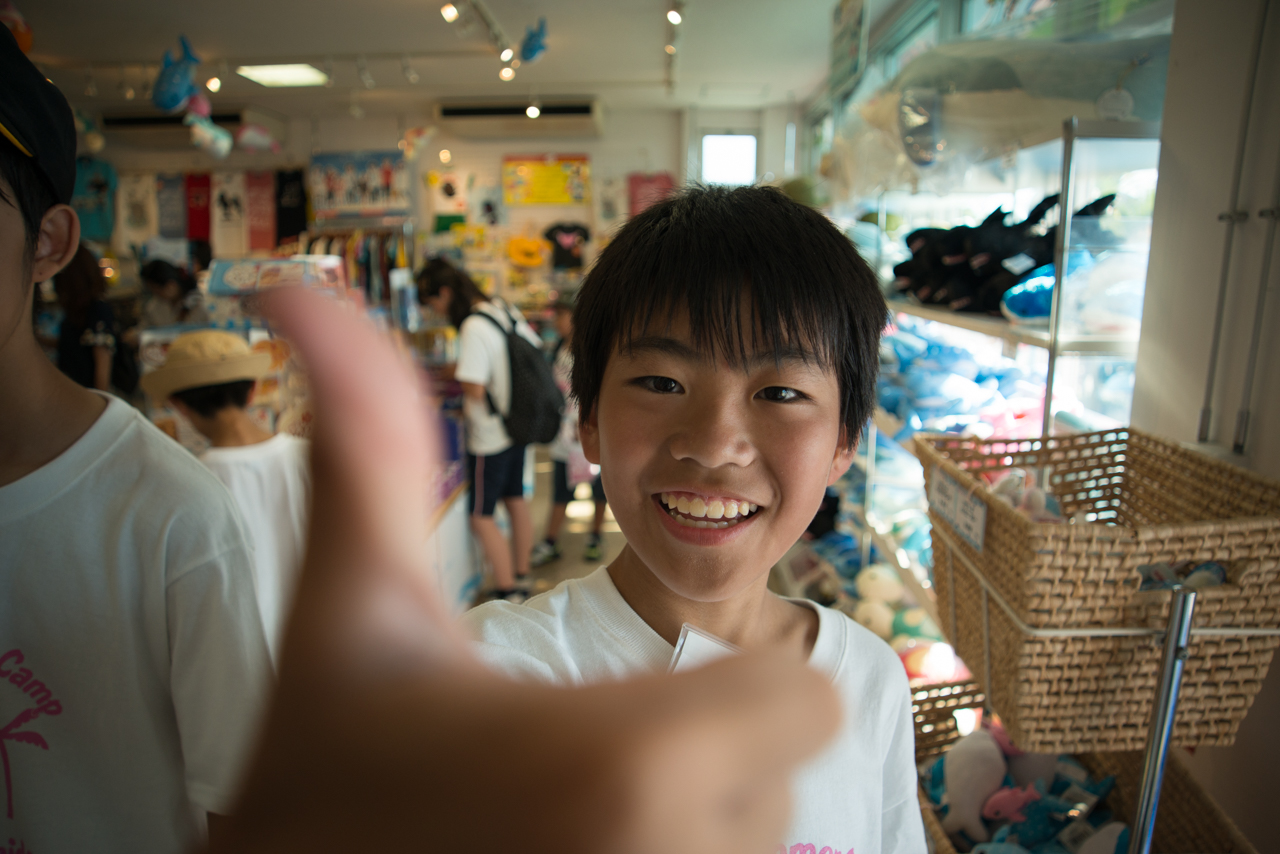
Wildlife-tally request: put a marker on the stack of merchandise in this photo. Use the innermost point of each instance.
(993, 798)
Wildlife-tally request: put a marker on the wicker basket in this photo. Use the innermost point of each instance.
(1188, 821)
(1053, 612)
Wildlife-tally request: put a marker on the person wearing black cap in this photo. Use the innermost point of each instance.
(133, 662)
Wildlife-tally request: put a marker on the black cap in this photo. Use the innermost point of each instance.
(36, 118)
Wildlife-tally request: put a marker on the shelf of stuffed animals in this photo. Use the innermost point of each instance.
(1018, 333)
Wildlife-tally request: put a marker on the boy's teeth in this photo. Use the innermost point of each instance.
(697, 508)
(715, 510)
(730, 509)
(682, 504)
(711, 510)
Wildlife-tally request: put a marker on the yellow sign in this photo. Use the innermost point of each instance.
(562, 179)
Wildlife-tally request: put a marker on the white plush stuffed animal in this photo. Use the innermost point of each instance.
(975, 768)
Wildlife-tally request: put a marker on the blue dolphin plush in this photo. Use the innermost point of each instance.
(534, 42)
(176, 82)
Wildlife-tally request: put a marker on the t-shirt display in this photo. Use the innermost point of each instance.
(483, 360)
(291, 204)
(859, 794)
(260, 209)
(171, 201)
(137, 218)
(271, 483)
(567, 240)
(94, 198)
(228, 223)
(133, 665)
(198, 189)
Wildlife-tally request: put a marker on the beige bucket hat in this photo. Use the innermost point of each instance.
(207, 357)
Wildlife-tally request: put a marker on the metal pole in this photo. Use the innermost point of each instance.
(1163, 712)
(1246, 394)
(1231, 217)
(1061, 249)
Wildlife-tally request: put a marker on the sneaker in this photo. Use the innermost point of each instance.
(543, 553)
(593, 550)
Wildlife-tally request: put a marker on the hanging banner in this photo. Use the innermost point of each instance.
(260, 209)
(560, 179)
(359, 184)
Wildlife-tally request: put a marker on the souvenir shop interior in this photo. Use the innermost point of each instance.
(1070, 206)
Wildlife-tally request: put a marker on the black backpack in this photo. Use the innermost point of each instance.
(536, 403)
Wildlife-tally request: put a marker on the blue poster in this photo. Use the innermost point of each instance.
(359, 184)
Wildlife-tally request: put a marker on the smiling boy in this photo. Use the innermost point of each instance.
(725, 358)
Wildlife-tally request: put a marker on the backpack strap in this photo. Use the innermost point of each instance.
(493, 407)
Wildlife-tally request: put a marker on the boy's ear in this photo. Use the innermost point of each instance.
(589, 436)
(57, 242)
(843, 459)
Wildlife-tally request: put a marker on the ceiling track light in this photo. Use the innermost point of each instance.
(409, 73)
(507, 73)
(507, 54)
(449, 12)
(675, 14)
(213, 84)
(533, 110)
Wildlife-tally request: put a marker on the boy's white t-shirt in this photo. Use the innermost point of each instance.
(133, 667)
(271, 483)
(483, 360)
(858, 796)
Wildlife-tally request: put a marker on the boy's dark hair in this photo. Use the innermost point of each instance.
(439, 273)
(28, 191)
(209, 400)
(701, 251)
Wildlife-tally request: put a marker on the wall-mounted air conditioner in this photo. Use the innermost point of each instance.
(507, 119)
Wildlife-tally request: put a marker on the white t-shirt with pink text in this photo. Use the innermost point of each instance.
(857, 797)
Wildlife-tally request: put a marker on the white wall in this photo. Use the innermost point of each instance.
(1208, 69)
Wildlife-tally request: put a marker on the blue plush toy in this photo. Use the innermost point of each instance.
(176, 82)
(1044, 819)
(534, 42)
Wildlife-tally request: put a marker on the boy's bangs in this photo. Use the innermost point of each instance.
(731, 319)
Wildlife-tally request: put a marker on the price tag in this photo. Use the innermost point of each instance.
(964, 511)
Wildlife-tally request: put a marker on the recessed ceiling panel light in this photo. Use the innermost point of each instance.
(449, 12)
(299, 74)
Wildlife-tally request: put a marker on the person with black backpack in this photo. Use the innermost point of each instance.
(510, 401)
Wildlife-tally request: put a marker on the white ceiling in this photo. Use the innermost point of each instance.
(732, 53)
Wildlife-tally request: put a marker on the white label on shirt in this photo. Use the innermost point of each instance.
(697, 648)
(964, 511)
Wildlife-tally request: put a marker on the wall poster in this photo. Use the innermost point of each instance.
(559, 179)
(359, 184)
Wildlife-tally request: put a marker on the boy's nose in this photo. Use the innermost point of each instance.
(714, 434)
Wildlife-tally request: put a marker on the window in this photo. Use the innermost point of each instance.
(729, 159)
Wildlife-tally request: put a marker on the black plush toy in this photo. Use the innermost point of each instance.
(969, 269)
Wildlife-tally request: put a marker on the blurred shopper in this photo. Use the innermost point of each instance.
(172, 296)
(209, 376)
(132, 659)
(569, 466)
(88, 337)
(494, 463)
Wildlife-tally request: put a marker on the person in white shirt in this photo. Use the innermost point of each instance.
(725, 348)
(209, 377)
(495, 464)
(133, 666)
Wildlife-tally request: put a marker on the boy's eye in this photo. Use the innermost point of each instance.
(660, 385)
(780, 394)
